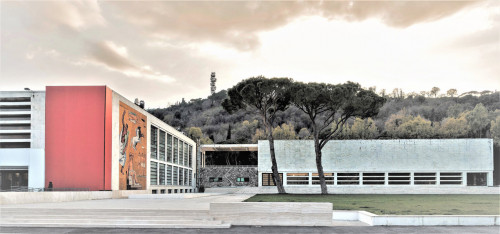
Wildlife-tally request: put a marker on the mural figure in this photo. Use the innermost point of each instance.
(137, 138)
(124, 133)
(131, 175)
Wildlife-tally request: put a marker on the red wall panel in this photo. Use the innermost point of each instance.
(107, 139)
(75, 120)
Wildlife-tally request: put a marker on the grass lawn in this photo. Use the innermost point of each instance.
(398, 204)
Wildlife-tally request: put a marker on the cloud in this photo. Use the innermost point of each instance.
(237, 24)
(76, 15)
(394, 13)
(115, 58)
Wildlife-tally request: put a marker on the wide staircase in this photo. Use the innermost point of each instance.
(108, 218)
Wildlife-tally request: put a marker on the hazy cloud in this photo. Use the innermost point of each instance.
(76, 14)
(123, 44)
(237, 24)
(116, 58)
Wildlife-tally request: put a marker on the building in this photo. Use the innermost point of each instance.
(91, 138)
(22, 139)
(97, 140)
(444, 163)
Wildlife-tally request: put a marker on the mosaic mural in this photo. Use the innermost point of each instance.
(133, 141)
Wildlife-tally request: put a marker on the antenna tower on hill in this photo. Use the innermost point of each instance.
(212, 83)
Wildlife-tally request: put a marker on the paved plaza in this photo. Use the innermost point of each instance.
(247, 229)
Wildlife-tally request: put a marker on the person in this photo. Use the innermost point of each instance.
(124, 133)
(131, 174)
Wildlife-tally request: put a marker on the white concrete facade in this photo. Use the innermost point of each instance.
(22, 128)
(438, 161)
(31, 159)
(151, 121)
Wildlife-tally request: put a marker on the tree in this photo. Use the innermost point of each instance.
(454, 127)
(284, 132)
(398, 93)
(228, 133)
(451, 92)
(244, 133)
(495, 130)
(327, 105)
(478, 120)
(402, 125)
(435, 91)
(195, 133)
(267, 97)
(363, 129)
(304, 134)
(259, 135)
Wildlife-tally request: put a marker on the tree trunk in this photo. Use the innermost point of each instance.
(319, 165)
(276, 176)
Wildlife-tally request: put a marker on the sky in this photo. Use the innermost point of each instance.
(163, 51)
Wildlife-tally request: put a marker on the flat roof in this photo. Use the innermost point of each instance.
(229, 147)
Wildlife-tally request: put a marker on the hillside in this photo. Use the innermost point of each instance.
(402, 116)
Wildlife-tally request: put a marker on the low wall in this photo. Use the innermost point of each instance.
(417, 220)
(273, 213)
(44, 197)
(367, 189)
(171, 196)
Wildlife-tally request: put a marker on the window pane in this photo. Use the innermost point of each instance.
(181, 176)
(451, 178)
(424, 178)
(297, 178)
(190, 162)
(162, 145)
(154, 142)
(176, 150)
(267, 179)
(181, 152)
(162, 174)
(169, 148)
(169, 175)
(347, 178)
(185, 154)
(154, 173)
(476, 179)
(174, 179)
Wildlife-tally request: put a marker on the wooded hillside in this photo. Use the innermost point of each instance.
(424, 115)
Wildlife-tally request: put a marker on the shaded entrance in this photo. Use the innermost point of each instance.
(13, 178)
(476, 179)
(228, 165)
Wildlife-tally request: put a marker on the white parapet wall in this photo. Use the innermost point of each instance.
(362, 189)
(421, 163)
(416, 220)
(273, 213)
(42, 197)
(63, 196)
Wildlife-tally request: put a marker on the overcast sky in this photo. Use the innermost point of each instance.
(164, 51)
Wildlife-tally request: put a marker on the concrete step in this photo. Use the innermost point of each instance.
(112, 218)
(121, 217)
(102, 211)
(114, 221)
(129, 225)
(142, 213)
